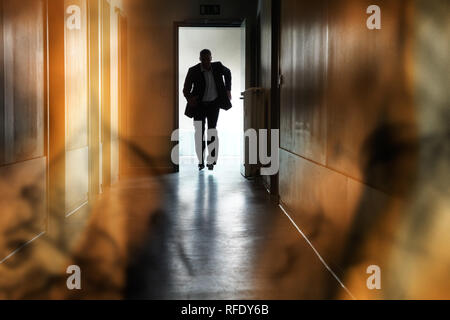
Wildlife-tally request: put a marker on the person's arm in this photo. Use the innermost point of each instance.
(227, 75)
(188, 82)
(187, 88)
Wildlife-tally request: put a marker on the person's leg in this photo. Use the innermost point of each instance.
(199, 137)
(213, 137)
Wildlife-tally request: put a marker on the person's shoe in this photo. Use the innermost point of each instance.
(201, 167)
(210, 167)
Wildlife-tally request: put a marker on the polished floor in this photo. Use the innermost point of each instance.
(217, 235)
(187, 235)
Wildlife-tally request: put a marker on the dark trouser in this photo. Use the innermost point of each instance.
(208, 111)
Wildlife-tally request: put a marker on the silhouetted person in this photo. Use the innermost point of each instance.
(207, 93)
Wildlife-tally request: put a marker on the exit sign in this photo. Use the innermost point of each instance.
(210, 9)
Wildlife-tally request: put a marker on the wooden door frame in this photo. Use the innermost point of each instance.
(123, 88)
(56, 140)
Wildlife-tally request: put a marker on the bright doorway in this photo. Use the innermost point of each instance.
(227, 45)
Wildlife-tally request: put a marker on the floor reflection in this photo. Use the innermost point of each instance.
(189, 235)
(221, 237)
(205, 241)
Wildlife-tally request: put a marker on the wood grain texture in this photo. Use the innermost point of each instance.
(366, 86)
(348, 130)
(23, 40)
(304, 66)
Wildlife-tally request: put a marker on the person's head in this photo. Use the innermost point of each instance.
(205, 58)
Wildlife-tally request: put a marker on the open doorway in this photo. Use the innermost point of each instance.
(227, 45)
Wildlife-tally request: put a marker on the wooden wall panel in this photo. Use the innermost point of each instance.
(23, 179)
(304, 63)
(309, 65)
(23, 36)
(315, 197)
(366, 94)
(414, 257)
(22, 161)
(348, 129)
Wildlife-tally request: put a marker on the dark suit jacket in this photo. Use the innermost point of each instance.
(195, 84)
